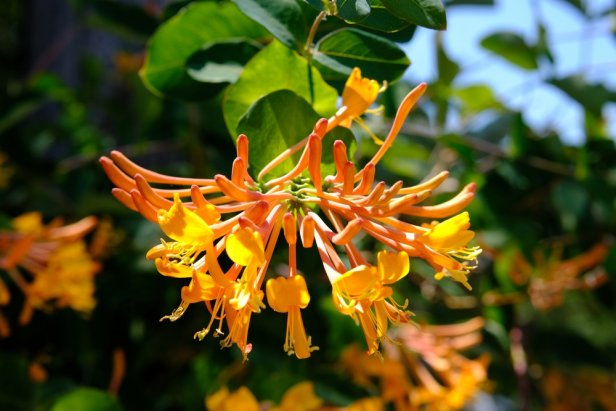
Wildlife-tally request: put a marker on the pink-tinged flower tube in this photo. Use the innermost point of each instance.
(243, 216)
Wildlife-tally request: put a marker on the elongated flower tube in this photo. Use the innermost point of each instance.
(242, 217)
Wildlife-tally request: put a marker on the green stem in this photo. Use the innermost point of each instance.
(312, 33)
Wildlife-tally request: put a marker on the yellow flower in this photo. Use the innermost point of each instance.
(300, 397)
(243, 216)
(446, 243)
(50, 264)
(367, 404)
(288, 295)
(223, 400)
(358, 95)
(421, 367)
(67, 279)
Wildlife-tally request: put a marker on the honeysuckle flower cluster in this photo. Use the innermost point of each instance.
(243, 216)
(421, 367)
(50, 264)
(548, 278)
(584, 388)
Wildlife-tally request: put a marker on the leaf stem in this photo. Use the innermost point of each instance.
(312, 33)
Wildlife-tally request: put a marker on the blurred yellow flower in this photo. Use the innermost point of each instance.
(300, 397)
(421, 367)
(50, 264)
(241, 399)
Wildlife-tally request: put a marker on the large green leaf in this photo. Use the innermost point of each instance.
(275, 68)
(222, 61)
(87, 399)
(337, 53)
(353, 10)
(288, 20)
(164, 71)
(426, 13)
(512, 48)
(382, 19)
(278, 121)
(591, 96)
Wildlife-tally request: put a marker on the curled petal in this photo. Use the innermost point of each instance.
(392, 266)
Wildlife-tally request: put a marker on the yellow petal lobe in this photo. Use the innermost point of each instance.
(244, 245)
(184, 225)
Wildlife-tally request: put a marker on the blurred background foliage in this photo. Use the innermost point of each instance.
(168, 83)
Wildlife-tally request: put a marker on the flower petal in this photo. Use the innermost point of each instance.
(392, 266)
(244, 245)
(184, 225)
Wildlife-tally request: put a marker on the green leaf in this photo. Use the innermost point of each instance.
(591, 96)
(382, 19)
(278, 121)
(337, 53)
(86, 399)
(275, 68)
(164, 71)
(571, 200)
(426, 13)
(287, 20)
(476, 98)
(512, 48)
(447, 68)
(577, 4)
(16, 389)
(222, 61)
(353, 10)
(449, 3)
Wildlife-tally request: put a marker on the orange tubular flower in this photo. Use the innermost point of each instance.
(243, 217)
(421, 367)
(49, 264)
